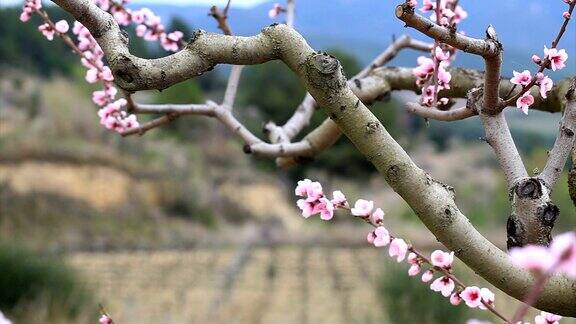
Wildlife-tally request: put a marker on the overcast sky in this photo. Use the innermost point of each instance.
(236, 3)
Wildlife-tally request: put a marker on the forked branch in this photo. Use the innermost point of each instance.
(322, 76)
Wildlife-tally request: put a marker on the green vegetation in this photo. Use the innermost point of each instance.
(24, 47)
(32, 283)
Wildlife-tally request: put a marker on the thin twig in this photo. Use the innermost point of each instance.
(544, 64)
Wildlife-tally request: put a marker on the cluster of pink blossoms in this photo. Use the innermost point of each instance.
(112, 112)
(28, 9)
(424, 73)
(149, 26)
(431, 74)
(560, 257)
(554, 59)
(313, 201)
(113, 117)
(557, 61)
(49, 30)
(450, 12)
(547, 318)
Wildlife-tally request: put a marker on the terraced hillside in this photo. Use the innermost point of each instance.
(261, 285)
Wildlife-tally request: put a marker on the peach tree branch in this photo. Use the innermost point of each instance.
(322, 76)
(533, 213)
(564, 142)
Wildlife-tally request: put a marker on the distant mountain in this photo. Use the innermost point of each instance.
(365, 27)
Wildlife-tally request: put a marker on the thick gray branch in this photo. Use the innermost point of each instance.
(500, 139)
(563, 145)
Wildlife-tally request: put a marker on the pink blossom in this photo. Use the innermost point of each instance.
(398, 249)
(557, 57)
(105, 319)
(471, 296)
(362, 208)
(412, 258)
(113, 118)
(338, 199)
(547, 318)
(443, 101)
(141, 30)
(414, 270)
(524, 102)
(103, 4)
(425, 67)
(545, 84)
(427, 5)
(428, 95)
(306, 207)
(130, 122)
(444, 78)
(566, 15)
(532, 257)
(28, 9)
(459, 14)
(381, 237)
(444, 285)
(412, 3)
(77, 28)
(377, 217)
(62, 26)
(47, 31)
(325, 208)
(138, 16)
(477, 321)
(563, 249)
(314, 201)
(523, 78)
(151, 28)
(536, 59)
(308, 188)
(101, 97)
(487, 297)
(441, 55)
(442, 259)
(444, 21)
(25, 15)
(455, 299)
(93, 74)
(87, 42)
(112, 108)
(370, 237)
(427, 275)
(121, 15)
(170, 42)
(275, 11)
(447, 12)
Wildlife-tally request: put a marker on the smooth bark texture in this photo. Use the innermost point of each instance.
(322, 75)
(564, 142)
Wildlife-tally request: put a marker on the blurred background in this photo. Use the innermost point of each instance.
(176, 226)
